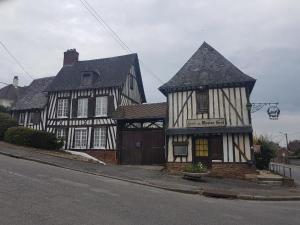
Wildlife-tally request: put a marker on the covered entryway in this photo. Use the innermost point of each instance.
(141, 134)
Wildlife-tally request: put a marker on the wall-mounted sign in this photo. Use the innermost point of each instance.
(220, 122)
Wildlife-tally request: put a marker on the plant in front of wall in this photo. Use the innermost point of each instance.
(196, 168)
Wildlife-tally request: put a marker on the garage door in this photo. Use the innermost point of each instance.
(143, 147)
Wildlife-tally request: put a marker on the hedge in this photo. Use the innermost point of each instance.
(32, 138)
(6, 121)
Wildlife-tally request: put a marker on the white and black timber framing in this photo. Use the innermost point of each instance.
(228, 94)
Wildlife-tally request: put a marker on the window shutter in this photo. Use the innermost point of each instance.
(92, 138)
(110, 105)
(74, 107)
(36, 118)
(91, 105)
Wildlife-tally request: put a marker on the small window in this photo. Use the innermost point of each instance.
(180, 149)
(61, 134)
(82, 110)
(131, 79)
(86, 79)
(101, 106)
(100, 137)
(202, 101)
(62, 108)
(30, 118)
(80, 138)
(201, 147)
(21, 118)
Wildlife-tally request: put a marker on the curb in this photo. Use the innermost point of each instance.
(207, 193)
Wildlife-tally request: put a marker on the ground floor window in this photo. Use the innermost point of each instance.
(81, 138)
(201, 147)
(100, 137)
(61, 134)
(22, 118)
(180, 148)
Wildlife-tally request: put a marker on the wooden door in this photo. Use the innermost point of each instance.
(216, 148)
(131, 152)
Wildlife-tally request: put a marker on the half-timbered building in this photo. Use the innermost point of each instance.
(83, 96)
(208, 118)
(30, 109)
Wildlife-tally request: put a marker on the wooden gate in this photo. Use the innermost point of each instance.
(143, 147)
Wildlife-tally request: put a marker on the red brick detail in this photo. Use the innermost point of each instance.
(175, 167)
(232, 170)
(107, 156)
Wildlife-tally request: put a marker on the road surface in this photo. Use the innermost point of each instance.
(34, 193)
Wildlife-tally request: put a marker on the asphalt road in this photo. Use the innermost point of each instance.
(33, 193)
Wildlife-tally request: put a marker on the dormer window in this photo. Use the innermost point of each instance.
(86, 79)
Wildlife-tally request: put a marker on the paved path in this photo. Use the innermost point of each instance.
(34, 193)
(295, 171)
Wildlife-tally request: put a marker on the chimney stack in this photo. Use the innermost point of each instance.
(16, 81)
(70, 57)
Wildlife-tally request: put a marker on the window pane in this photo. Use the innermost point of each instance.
(82, 107)
(180, 150)
(202, 101)
(100, 137)
(101, 106)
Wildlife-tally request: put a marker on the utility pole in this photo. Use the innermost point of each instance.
(287, 141)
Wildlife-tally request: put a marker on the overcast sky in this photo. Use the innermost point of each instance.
(261, 37)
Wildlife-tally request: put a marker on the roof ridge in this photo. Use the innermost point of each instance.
(113, 57)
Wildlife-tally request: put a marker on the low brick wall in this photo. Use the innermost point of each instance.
(232, 170)
(107, 156)
(175, 167)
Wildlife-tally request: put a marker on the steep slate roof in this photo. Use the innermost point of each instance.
(143, 111)
(207, 67)
(34, 97)
(112, 72)
(9, 92)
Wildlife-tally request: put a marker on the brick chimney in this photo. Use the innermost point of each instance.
(16, 81)
(70, 57)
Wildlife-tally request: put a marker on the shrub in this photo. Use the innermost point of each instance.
(6, 122)
(268, 150)
(196, 168)
(32, 138)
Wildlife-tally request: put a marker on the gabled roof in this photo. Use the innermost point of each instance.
(34, 97)
(109, 72)
(9, 92)
(207, 68)
(141, 111)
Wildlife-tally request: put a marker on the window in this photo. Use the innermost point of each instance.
(21, 118)
(101, 106)
(202, 101)
(30, 118)
(201, 147)
(100, 137)
(86, 79)
(62, 108)
(131, 78)
(80, 138)
(82, 110)
(180, 149)
(61, 134)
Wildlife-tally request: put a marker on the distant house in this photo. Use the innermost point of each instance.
(31, 107)
(208, 118)
(10, 93)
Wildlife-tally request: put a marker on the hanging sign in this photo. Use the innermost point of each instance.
(220, 122)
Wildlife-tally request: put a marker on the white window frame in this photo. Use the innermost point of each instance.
(80, 143)
(22, 116)
(82, 108)
(101, 106)
(100, 137)
(62, 107)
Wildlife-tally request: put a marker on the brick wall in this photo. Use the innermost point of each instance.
(176, 167)
(107, 156)
(232, 170)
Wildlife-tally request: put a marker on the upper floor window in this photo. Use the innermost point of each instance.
(80, 138)
(101, 106)
(82, 110)
(86, 79)
(202, 101)
(131, 79)
(62, 107)
(100, 137)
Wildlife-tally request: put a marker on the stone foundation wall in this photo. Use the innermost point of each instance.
(232, 170)
(107, 156)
